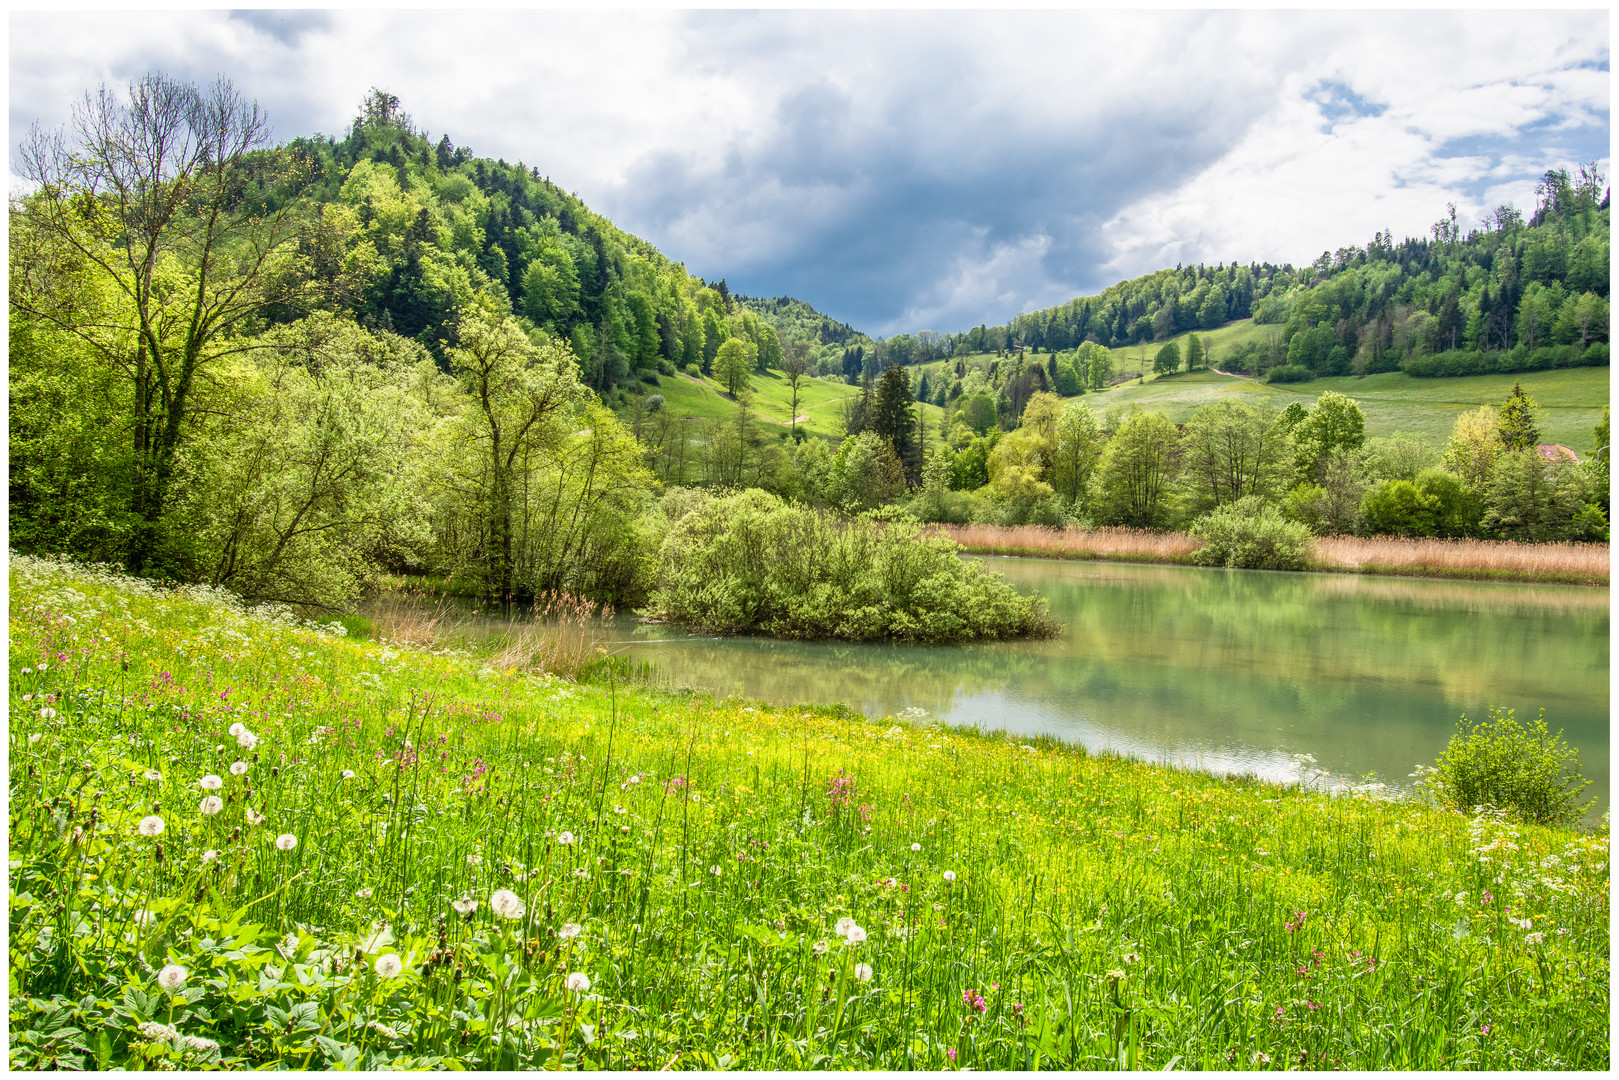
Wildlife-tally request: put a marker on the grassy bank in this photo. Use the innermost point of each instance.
(677, 870)
(1489, 560)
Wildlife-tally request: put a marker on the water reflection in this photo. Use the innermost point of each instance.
(1224, 670)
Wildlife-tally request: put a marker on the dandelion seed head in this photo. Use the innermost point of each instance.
(210, 783)
(862, 972)
(916, 847)
(151, 825)
(578, 982)
(570, 930)
(237, 768)
(506, 904)
(235, 730)
(564, 837)
(171, 978)
(856, 935)
(209, 856)
(843, 926)
(348, 774)
(153, 775)
(211, 804)
(286, 841)
(365, 893)
(465, 906)
(949, 876)
(247, 740)
(388, 966)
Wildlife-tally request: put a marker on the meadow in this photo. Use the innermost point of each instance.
(819, 401)
(239, 839)
(1570, 400)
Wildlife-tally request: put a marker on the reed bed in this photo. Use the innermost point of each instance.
(1568, 563)
(1072, 542)
(560, 634)
(1496, 557)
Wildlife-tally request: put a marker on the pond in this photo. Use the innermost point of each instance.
(1221, 670)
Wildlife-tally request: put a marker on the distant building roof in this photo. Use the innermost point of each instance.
(1555, 452)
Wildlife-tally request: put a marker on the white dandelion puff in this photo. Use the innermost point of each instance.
(254, 817)
(570, 930)
(153, 775)
(365, 893)
(348, 774)
(237, 768)
(506, 904)
(286, 841)
(564, 837)
(464, 907)
(211, 804)
(843, 926)
(862, 972)
(856, 935)
(388, 966)
(916, 847)
(210, 783)
(235, 730)
(578, 982)
(247, 740)
(210, 855)
(949, 876)
(172, 978)
(151, 825)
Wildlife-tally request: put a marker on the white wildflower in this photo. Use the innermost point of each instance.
(211, 804)
(949, 876)
(862, 972)
(564, 837)
(151, 825)
(210, 783)
(570, 930)
(171, 978)
(578, 982)
(237, 768)
(286, 841)
(388, 966)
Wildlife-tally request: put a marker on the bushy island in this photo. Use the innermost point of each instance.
(750, 562)
(236, 839)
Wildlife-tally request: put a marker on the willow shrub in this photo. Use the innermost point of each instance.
(1526, 771)
(750, 563)
(1251, 534)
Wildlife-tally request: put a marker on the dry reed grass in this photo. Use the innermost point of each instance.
(1071, 542)
(562, 634)
(1481, 558)
(1559, 561)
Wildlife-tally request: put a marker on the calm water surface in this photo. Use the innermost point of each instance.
(1224, 670)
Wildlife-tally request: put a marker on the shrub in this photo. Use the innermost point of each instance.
(1251, 534)
(1530, 773)
(1290, 373)
(694, 371)
(1397, 508)
(751, 563)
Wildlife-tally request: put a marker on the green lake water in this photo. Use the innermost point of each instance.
(1223, 670)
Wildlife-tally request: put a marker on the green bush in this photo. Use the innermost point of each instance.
(1290, 373)
(1530, 773)
(750, 563)
(1252, 534)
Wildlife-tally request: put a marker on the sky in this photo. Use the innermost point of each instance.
(912, 170)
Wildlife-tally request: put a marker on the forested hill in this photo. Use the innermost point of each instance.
(410, 230)
(1509, 295)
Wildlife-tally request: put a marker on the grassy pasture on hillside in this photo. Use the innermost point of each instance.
(819, 399)
(409, 859)
(1570, 400)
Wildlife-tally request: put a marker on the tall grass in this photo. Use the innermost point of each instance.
(1583, 563)
(559, 634)
(1020, 905)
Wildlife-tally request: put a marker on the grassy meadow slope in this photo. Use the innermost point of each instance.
(414, 860)
(820, 400)
(1570, 400)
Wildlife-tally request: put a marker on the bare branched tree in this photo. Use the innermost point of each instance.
(151, 195)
